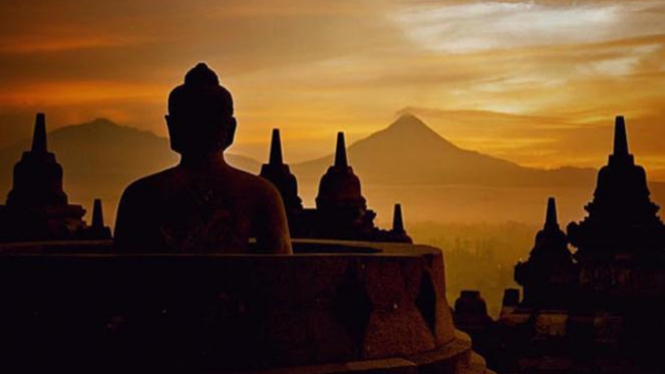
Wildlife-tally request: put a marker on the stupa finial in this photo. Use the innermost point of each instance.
(398, 222)
(551, 220)
(276, 149)
(340, 153)
(97, 215)
(620, 137)
(39, 135)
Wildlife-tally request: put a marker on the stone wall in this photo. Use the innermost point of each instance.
(332, 303)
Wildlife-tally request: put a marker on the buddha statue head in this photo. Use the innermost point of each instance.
(200, 118)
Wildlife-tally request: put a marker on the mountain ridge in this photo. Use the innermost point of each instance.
(409, 151)
(101, 138)
(406, 162)
(405, 152)
(100, 158)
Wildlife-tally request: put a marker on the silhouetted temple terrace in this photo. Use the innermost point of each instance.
(37, 207)
(203, 275)
(341, 210)
(622, 218)
(601, 309)
(185, 289)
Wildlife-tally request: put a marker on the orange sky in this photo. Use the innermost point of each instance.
(535, 82)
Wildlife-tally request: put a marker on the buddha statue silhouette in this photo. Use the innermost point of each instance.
(202, 204)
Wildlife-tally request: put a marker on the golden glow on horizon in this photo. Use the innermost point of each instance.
(535, 82)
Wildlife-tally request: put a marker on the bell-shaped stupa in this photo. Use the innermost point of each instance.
(37, 207)
(549, 273)
(37, 176)
(340, 187)
(621, 218)
(397, 233)
(277, 172)
(341, 209)
(97, 228)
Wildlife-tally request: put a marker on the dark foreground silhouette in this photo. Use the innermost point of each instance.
(341, 210)
(599, 309)
(38, 208)
(202, 204)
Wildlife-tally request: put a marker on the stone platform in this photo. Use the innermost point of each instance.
(334, 307)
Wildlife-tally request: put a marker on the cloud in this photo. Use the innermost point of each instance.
(50, 44)
(548, 140)
(518, 79)
(485, 25)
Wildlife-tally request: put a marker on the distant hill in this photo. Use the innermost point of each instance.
(435, 180)
(104, 149)
(100, 158)
(409, 152)
(406, 162)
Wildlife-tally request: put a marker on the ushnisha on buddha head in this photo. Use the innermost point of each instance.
(200, 119)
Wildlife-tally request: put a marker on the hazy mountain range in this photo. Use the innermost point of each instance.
(409, 152)
(407, 162)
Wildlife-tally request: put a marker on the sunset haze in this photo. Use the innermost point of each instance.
(533, 82)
